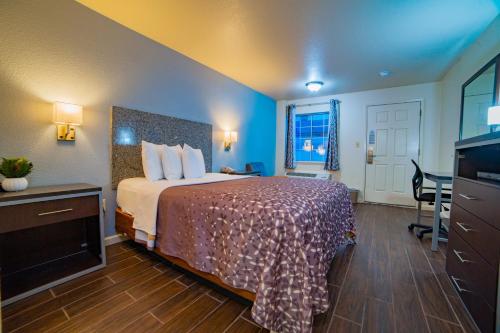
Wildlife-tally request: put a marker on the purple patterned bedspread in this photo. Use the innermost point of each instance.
(274, 236)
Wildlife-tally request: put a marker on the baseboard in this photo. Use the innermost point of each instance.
(110, 240)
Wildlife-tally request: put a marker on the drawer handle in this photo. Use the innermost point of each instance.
(56, 212)
(457, 253)
(465, 196)
(455, 282)
(461, 225)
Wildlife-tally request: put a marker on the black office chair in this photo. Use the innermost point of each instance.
(430, 197)
(257, 167)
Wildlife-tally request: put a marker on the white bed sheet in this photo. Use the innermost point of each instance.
(139, 197)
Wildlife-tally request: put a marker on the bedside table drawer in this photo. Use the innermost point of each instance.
(35, 214)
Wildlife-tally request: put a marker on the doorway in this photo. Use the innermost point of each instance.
(392, 141)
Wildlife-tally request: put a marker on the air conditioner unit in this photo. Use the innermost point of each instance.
(309, 174)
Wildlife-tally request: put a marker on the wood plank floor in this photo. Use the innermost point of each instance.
(389, 282)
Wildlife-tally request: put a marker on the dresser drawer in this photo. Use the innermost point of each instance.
(481, 312)
(18, 217)
(481, 236)
(481, 200)
(472, 282)
(475, 275)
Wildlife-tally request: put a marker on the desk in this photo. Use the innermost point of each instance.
(439, 178)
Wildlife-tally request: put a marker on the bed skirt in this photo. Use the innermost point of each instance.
(123, 225)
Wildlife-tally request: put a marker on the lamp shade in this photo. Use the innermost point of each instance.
(65, 113)
(234, 136)
(231, 136)
(494, 115)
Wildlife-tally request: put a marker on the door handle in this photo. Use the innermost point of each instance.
(369, 156)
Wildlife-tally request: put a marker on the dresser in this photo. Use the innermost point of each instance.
(48, 235)
(474, 237)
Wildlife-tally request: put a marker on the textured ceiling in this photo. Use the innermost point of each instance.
(276, 46)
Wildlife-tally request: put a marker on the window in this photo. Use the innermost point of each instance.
(311, 137)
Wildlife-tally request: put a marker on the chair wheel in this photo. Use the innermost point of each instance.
(411, 227)
(420, 235)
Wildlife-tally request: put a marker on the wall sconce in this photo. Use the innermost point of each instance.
(230, 137)
(67, 116)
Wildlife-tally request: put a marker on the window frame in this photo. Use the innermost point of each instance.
(297, 138)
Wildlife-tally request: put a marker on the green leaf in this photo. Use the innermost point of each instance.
(15, 167)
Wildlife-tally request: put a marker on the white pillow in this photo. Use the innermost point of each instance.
(171, 159)
(193, 163)
(151, 161)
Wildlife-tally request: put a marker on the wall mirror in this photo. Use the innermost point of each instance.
(479, 93)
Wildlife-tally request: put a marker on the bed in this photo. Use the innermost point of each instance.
(268, 239)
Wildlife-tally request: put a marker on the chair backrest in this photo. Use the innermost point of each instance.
(417, 180)
(256, 166)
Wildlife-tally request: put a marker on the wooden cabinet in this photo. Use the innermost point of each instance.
(472, 261)
(48, 235)
(481, 199)
(480, 235)
(474, 281)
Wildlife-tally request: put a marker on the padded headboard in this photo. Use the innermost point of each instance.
(130, 127)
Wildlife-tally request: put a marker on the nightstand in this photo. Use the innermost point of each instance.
(49, 235)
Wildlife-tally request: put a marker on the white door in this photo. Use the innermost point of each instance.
(392, 141)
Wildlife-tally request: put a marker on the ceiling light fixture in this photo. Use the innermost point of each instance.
(384, 73)
(314, 86)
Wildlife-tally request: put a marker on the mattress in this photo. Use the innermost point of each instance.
(139, 198)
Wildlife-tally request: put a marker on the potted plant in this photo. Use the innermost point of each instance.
(15, 170)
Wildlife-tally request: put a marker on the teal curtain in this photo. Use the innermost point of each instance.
(290, 137)
(332, 152)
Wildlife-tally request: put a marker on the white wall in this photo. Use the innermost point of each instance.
(476, 56)
(353, 128)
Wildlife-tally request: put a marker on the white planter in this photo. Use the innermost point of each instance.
(14, 184)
